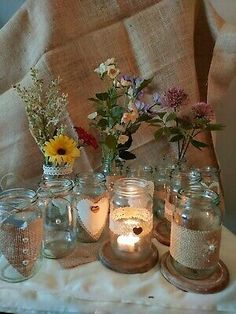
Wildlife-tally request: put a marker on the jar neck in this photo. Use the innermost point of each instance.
(18, 198)
(93, 179)
(198, 198)
(131, 186)
(57, 187)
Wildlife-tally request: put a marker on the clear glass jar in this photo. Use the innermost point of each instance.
(189, 179)
(131, 219)
(143, 172)
(196, 233)
(92, 205)
(56, 200)
(21, 232)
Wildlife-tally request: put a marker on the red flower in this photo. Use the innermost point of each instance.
(86, 138)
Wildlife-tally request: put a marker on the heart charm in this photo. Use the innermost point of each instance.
(93, 215)
(137, 230)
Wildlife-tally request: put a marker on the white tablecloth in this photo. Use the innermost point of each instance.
(92, 288)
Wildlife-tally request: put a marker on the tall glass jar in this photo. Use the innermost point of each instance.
(196, 233)
(92, 205)
(131, 220)
(21, 231)
(57, 203)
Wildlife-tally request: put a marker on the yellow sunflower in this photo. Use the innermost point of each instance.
(61, 149)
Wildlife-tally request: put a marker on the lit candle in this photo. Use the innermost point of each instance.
(127, 243)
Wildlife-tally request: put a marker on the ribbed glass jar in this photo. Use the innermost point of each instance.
(92, 205)
(21, 232)
(196, 233)
(56, 200)
(131, 219)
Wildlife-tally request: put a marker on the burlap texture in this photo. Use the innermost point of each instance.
(22, 247)
(70, 38)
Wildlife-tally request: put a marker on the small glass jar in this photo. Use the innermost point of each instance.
(131, 220)
(196, 233)
(21, 231)
(57, 203)
(92, 205)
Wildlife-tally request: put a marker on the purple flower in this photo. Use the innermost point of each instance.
(142, 106)
(174, 98)
(156, 98)
(203, 110)
(145, 108)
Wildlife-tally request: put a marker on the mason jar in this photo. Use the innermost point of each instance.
(57, 203)
(196, 233)
(21, 232)
(131, 220)
(92, 205)
(179, 179)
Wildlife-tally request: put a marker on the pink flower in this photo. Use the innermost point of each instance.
(174, 98)
(203, 110)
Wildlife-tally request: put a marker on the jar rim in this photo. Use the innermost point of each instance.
(56, 186)
(95, 177)
(200, 193)
(18, 197)
(131, 186)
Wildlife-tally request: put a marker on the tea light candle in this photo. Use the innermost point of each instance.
(127, 243)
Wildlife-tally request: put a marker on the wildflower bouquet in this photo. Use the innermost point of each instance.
(49, 121)
(119, 111)
(173, 122)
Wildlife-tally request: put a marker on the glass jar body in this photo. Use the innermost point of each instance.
(131, 219)
(21, 232)
(92, 205)
(196, 234)
(57, 203)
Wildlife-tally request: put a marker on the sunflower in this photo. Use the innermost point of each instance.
(61, 149)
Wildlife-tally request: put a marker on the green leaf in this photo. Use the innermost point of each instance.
(102, 96)
(155, 120)
(144, 84)
(94, 99)
(124, 154)
(117, 112)
(102, 123)
(158, 134)
(170, 117)
(133, 128)
(161, 114)
(177, 138)
(215, 127)
(198, 144)
(110, 142)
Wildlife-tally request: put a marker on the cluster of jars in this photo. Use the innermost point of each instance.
(49, 222)
(45, 223)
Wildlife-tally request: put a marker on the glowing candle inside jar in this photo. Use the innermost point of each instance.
(127, 243)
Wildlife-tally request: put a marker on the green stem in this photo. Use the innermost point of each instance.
(192, 135)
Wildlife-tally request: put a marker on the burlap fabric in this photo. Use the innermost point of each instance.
(172, 40)
(22, 246)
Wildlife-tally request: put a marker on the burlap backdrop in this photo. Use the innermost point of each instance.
(172, 40)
